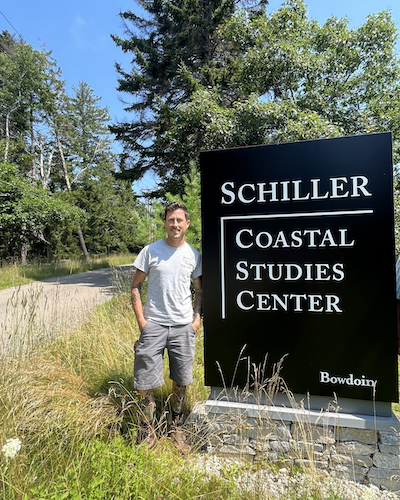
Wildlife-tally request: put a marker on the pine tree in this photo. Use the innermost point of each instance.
(270, 77)
(83, 143)
(175, 47)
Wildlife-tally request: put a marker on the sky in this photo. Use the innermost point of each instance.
(78, 34)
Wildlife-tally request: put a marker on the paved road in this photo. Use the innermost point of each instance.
(41, 310)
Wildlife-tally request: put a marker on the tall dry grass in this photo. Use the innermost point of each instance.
(55, 396)
(68, 391)
(71, 402)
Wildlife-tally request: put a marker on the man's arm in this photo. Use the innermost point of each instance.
(136, 299)
(198, 303)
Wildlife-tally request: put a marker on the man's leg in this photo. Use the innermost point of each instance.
(180, 347)
(147, 409)
(147, 406)
(148, 372)
(176, 433)
(177, 402)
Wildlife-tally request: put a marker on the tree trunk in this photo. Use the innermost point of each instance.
(68, 184)
(7, 137)
(24, 247)
(43, 172)
(24, 254)
(64, 164)
(83, 244)
(32, 151)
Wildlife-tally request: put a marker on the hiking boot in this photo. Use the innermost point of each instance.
(146, 435)
(178, 437)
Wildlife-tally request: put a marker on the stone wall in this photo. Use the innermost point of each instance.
(368, 456)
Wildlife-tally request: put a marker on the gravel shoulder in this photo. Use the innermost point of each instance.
(284, 484)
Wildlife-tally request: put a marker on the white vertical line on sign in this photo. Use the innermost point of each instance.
(223, 307)
(270, 216)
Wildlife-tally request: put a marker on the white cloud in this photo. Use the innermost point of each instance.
(79, 21)
(84, 35)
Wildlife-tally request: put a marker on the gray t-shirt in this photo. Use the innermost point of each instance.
(169, 269)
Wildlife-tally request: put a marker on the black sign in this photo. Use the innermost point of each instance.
(298, 252)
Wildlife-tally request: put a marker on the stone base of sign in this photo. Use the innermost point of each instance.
(348, 446)
(289, 400)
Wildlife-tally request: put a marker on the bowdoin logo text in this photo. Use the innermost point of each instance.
(326, 378)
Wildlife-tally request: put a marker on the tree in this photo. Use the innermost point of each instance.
(89, 141)
(289, 79)
(62, 166)
(28, 213)
(114, 217)
(27, 79)
(303, 81)
(115, 220)
(82, 141)
(175, 46)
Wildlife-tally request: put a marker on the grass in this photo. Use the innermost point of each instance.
(71, 403)
(16, 275)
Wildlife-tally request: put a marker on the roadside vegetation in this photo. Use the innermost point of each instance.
(15, 274)
(72, 406)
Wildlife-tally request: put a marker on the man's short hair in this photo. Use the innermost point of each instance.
(175, 205)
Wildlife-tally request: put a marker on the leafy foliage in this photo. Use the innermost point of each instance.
(272, 77)
(115, 220)
(29, 213)
(27, 79)
(57, 171)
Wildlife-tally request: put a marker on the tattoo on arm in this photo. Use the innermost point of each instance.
(135, 297)
(198, 302)
(198, 298)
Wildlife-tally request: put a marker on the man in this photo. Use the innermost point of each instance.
(168, 320)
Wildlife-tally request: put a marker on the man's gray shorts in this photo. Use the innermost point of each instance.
(149, 353)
